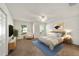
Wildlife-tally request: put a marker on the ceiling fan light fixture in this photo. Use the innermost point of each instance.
(43, 18)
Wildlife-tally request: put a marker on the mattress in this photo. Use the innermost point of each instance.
(51, 42)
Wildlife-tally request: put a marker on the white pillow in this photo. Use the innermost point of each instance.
(53, 36)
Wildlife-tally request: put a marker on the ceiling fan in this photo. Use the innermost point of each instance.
(43, 18)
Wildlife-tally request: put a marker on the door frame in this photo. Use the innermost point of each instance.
(6, 30)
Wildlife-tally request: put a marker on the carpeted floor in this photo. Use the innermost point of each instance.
(26, 48)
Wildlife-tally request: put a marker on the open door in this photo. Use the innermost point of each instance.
(3, 33)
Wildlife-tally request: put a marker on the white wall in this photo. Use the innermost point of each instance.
(9, 21)
(71, 23)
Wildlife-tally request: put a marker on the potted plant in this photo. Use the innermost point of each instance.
(12, 43)
(15, 33)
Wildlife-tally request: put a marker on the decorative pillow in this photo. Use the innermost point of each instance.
(53, 36)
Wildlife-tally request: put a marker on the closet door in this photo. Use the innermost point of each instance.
(3, 34)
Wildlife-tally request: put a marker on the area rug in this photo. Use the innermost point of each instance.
(45, 48)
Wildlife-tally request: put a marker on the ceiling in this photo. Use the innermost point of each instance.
(32, 11)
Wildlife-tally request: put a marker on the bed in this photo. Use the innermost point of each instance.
(51, 40)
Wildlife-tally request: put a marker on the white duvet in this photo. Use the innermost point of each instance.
(50, 41)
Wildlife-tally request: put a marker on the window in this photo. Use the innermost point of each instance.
(49, 28)
(0, 24)
(0, 28)
(24, 28)
(42, 28)
(33, 28)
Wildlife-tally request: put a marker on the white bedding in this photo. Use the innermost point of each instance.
(51, 42)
